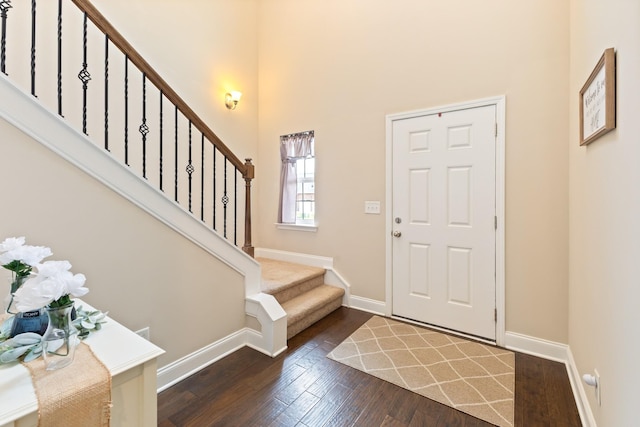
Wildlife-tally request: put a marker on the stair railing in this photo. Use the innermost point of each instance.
(122, 98)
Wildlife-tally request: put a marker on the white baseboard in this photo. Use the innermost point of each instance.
(298, 258)
(188, 365)
(536, 347)
(560, 353)
(586, 415)
(368, 305)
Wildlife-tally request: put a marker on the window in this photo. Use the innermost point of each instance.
(297, 179)
(305, 193)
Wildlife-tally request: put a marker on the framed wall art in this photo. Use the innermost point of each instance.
(598, 100)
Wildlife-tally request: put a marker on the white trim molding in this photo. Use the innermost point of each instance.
(188, 365)
(272, 339)
(309, 228)
(368, 305)
(500, 103)
(579, 392)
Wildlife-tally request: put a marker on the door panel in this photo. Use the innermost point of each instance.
(444, 195)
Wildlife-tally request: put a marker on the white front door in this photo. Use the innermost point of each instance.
(443, 213)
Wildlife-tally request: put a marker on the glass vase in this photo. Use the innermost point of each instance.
(16, 282)
(60, 339)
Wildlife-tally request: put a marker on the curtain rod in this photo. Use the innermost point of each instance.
(308, 132)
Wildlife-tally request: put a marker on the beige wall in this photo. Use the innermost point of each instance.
(605, 207)
(138, 269)
(203, 49)
(339, 67)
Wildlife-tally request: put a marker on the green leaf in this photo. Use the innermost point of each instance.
(13, 354)
(33, 354)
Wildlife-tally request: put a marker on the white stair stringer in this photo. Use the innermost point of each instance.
(24, 112)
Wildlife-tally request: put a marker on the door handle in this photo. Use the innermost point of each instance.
(397, 234)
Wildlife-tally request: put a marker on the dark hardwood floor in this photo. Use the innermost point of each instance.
(304, 388)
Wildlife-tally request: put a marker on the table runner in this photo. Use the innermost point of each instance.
(78, 395)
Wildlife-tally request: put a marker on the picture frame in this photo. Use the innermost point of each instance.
(598, 99)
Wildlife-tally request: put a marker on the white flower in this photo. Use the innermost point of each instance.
(11, 243)
(14, 249)
(52, 281)
(28, 297)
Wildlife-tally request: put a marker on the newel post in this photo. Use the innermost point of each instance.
(248, 176)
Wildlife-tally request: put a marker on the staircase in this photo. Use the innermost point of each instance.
(301, 292)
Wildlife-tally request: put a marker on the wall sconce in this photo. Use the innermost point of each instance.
(231, 99)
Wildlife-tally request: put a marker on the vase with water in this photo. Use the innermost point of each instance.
(60, 340)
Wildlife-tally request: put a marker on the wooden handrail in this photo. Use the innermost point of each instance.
(245, 168)
(121, 43)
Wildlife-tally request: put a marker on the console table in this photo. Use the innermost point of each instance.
(130, 359)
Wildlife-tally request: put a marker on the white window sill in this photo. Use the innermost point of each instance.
(312, 228)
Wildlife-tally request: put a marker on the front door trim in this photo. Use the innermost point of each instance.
(500, 103)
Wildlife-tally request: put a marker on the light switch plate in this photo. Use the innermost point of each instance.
(372, 207)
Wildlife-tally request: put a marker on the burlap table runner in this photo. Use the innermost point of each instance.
(78, 395)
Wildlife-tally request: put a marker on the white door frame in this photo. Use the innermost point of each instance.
(499, 103)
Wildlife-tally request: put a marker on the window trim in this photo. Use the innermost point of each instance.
(310, 228)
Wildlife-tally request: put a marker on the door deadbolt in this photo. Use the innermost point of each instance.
(398, 220)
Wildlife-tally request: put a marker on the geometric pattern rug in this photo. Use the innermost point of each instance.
(471, 377)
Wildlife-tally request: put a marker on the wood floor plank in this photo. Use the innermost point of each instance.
(296, 411)
(560, 395)
(328, 405)
(530, 391)
(303, 388)
(376, 409)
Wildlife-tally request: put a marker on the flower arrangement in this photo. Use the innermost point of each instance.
(52, 283)
(35, 285)
(19, 258)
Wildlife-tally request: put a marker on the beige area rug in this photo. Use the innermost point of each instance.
(471, 377)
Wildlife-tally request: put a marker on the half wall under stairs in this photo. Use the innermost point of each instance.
(301, 291)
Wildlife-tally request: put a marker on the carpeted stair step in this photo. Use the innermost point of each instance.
(301, 291)
(287, 280)
(306, 309)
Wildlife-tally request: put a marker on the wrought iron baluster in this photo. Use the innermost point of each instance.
(214, 186)
(176, 155)
(84, 75)
(126, 110)
(60, 58)
(144, 129)
(106, 92)
(235, 206)
(202, 177)
(225, 199)
(161, 139)
(190, 169)
(5, 5)
(33, 47)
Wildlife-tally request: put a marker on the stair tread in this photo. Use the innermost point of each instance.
(301, 292)
(310, 301)
(281, 275)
